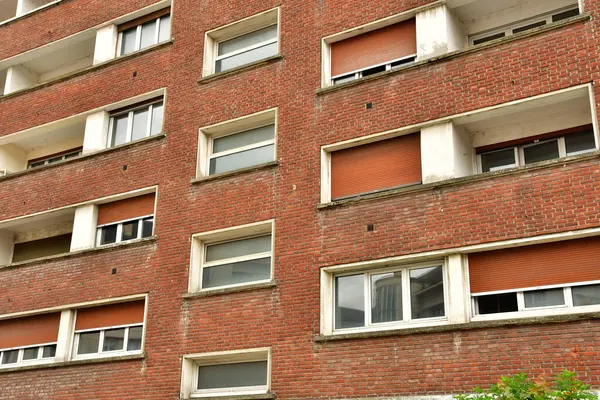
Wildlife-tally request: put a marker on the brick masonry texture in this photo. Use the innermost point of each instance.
(554, 199)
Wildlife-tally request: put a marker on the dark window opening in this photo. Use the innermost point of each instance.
(497, 303)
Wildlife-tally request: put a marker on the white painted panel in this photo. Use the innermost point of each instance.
(12, 159)
(84, 227)
(106, 44)
(6, 247)
(96, 132)
(18, 78)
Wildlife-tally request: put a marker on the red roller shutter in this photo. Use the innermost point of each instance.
(126, 209)
(110, 315)
(375, 166)
(29, 331)
(538, 265)
(373, 48)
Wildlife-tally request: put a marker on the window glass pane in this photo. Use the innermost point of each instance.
(232, 375)
(246, 57)
(488, 38)
(238, 248)
(108, 234)
(49, 351)
(165, 29)
(140, 124)
(586, 295)
(128, 41)
(243, 159)
(250, 39)
(528, 27)
(386, 297)
(580, 142)
(148, 34)
(119, 133)
(134, 342)
(343, 79)
(113, 339)
(147, 226)
(158, 111)
(244, 138)
(541, 152)
(497, 160)
(36, 164)
(544, 298)
(427, 292)
(497, 303)
(31, 353)
(565, 15)
(234, 273)
(130, 230)
(88, 343)
(10, 357)
(349, 301)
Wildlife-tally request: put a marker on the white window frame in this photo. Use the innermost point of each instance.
(200, 241)
(103, 354)
(192, 363)
(236, 29)
(519, 151)
(407, 321)
(245, 49)
(21, 362)
(508, 29)
(129, 114)
(523, 312)
(138, 36)
(120, 230)
(208, 134)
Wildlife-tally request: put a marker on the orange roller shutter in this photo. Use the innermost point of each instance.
(29, 331)
(376, 166)
(126, 209)
(538, 265)
(373, 48)
(110, 315)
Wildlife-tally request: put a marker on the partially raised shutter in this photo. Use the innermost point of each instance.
(110, 315)
(374, 48)
(538, 265)
(376, 166)
(29, 331)
(144, 19)
(126, 209)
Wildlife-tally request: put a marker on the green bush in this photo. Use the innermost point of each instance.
(564, 386)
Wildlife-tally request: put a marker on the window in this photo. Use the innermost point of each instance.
(524, 26)
(110, 329)
(536, 278)
(28, 340)
(229, 373)
(376, 51)
(377, 166)
(38, 162)
(232, 257)
(578, 142)
(243, 42)
(144, 32)
(121, 221)
(237, 144)
(396, 296)
(136, 123)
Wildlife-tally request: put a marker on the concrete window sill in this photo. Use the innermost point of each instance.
(229, 290)
(460, 181)
(461, 327)
(224, 175)
(117, 246)
(458, 53)
(74, 362)
(82, 157)
(265, 396)
(86, 70)
(241, 68)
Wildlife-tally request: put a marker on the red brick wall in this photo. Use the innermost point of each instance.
(286, 318)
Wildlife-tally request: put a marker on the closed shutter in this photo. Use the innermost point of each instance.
(110, 315)
(126, 209)
(538, 265)
(144, 19)
(374, 48)
(29, 331)
(376, 166)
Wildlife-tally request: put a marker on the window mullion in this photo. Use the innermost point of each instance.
(568, 294)
(119, 233)
(562, 147)
(406, 306)
(519, 156)
(157, 34)
(129, 127)
(520, 301)
(367, 302)
(101, 342)
(126, 338)
(139, 232)
(149, 122)
(138, 37)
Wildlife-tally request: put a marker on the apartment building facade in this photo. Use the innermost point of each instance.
(296, 199)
